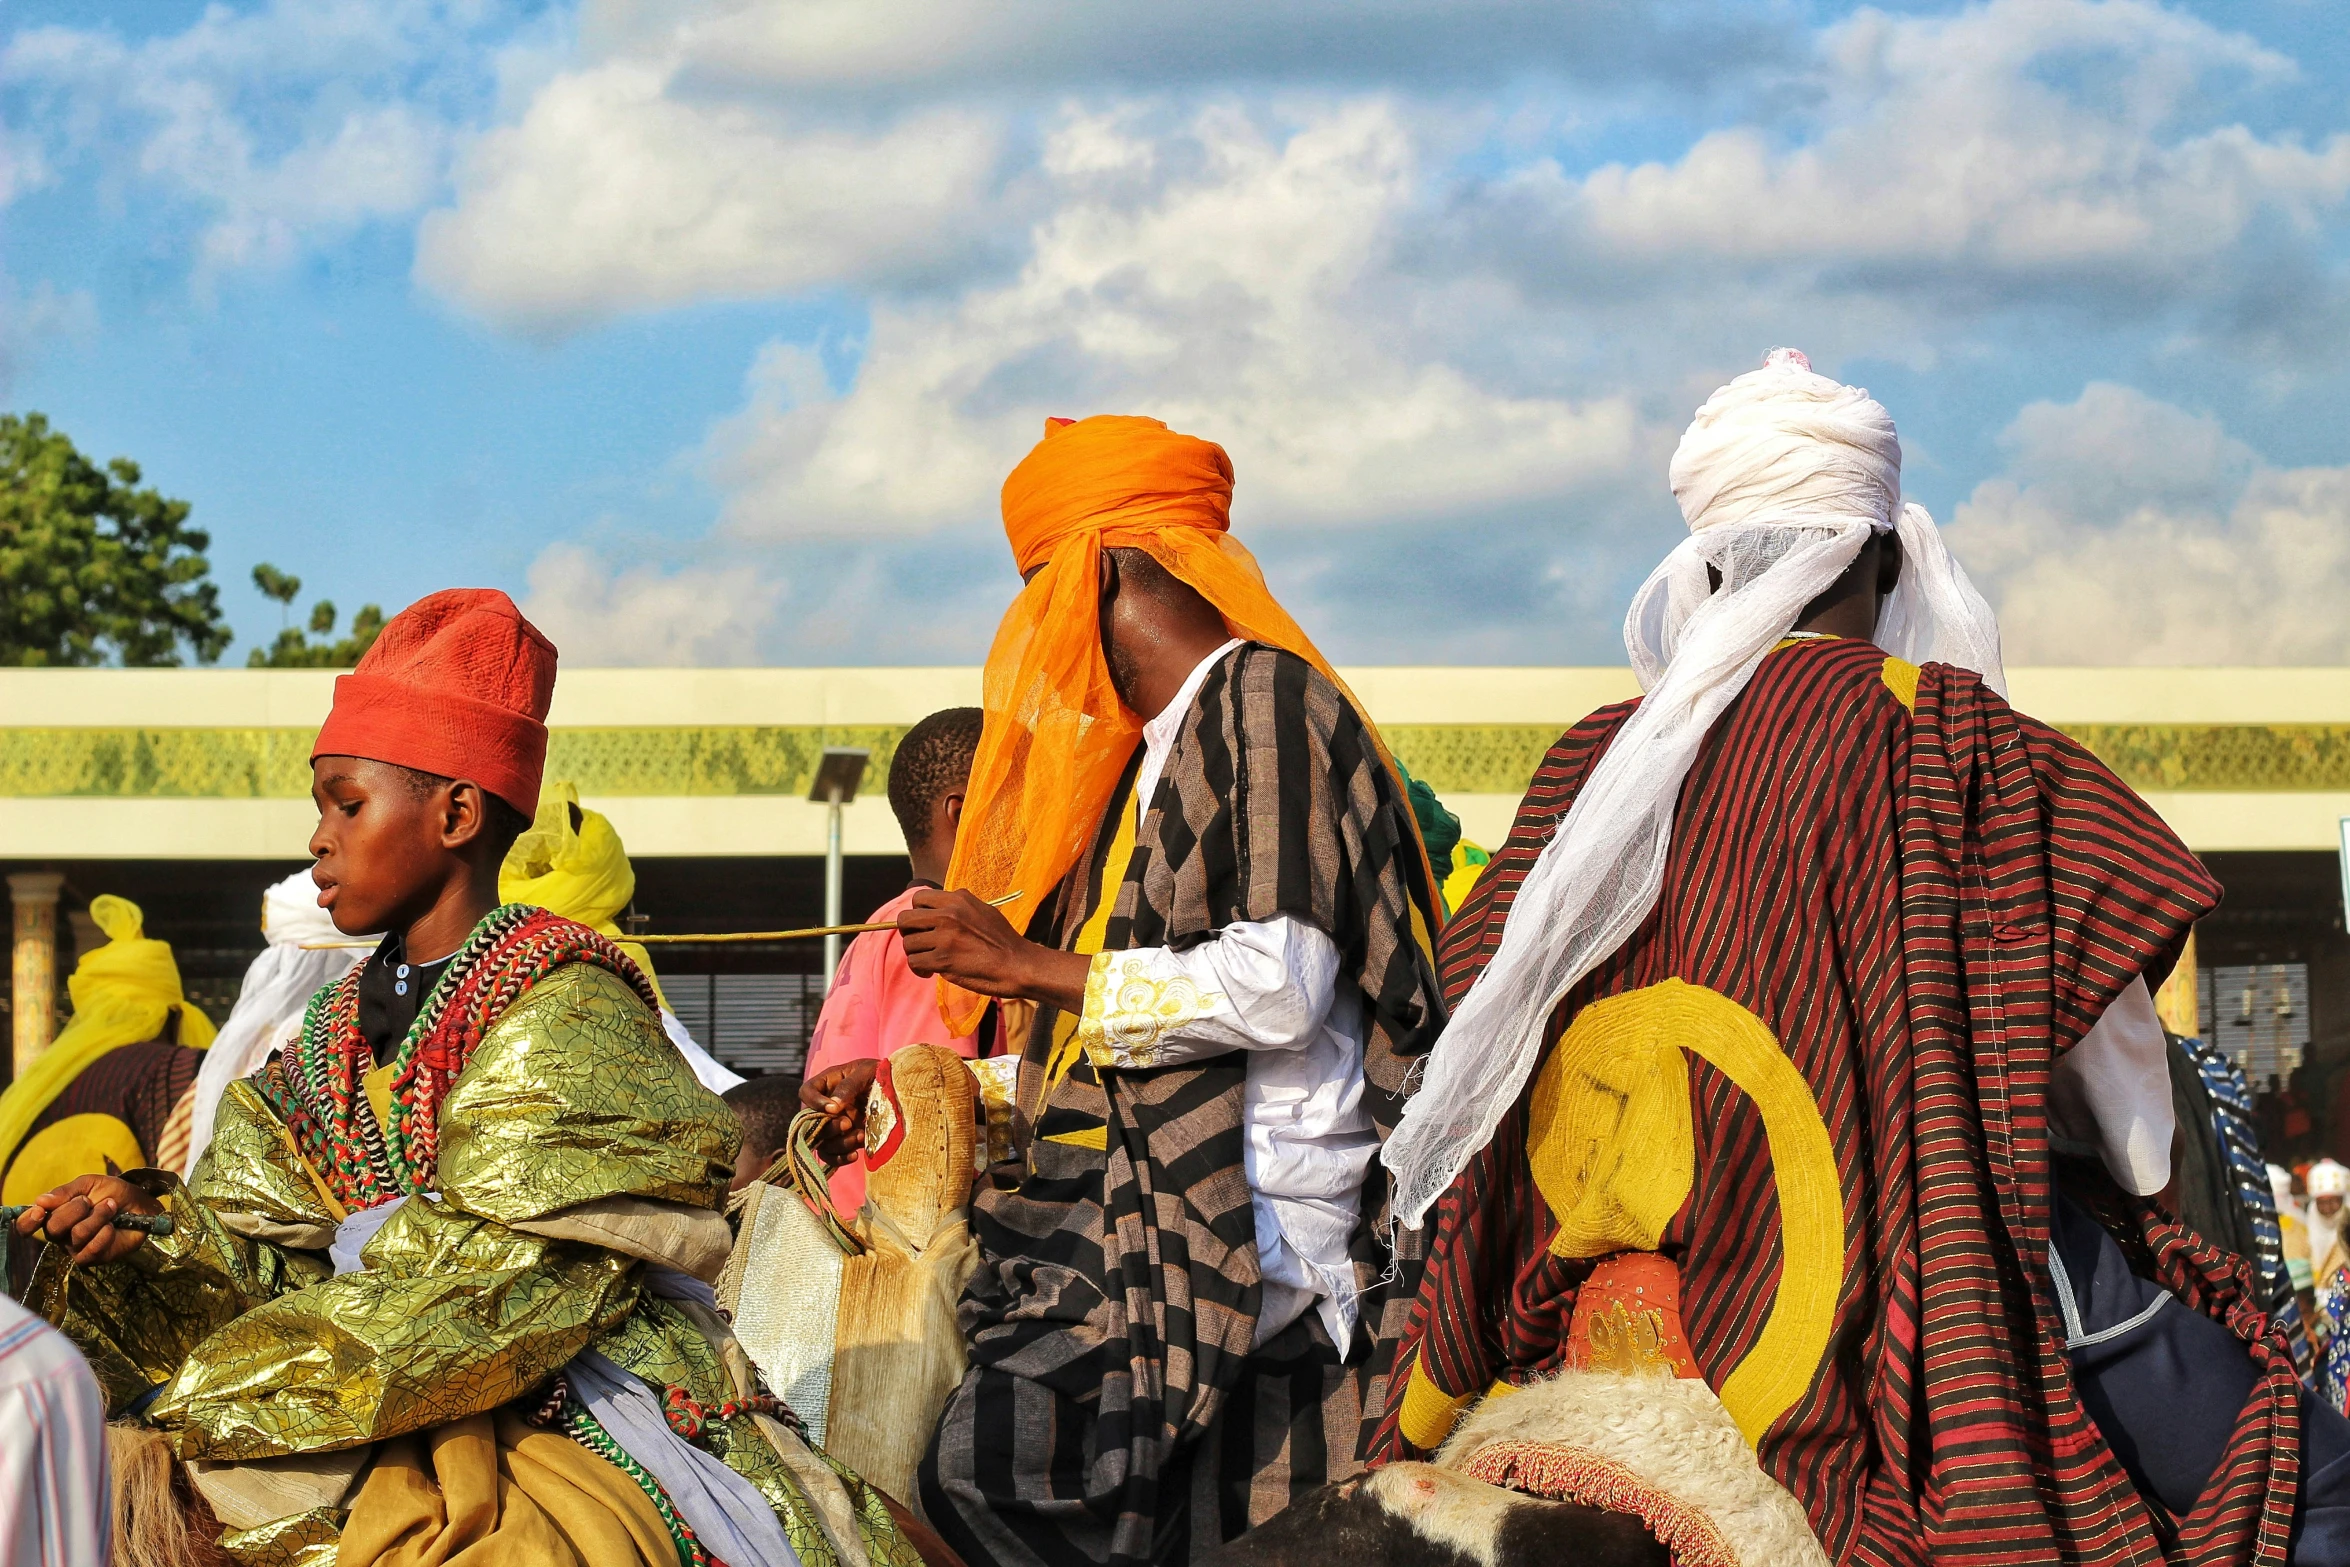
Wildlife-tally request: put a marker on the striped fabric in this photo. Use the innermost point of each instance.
(139, 1085)
(1923, 910)
(2239, 1135)
(1113, 1411)
(55, 1470)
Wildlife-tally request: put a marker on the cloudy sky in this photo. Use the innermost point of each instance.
(710, 330)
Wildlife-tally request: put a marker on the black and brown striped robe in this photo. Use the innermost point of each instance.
(1114, 1411)
(1927, 898)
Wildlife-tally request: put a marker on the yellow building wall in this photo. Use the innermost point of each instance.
(212, 764)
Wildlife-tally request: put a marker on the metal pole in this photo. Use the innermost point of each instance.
(832, 886)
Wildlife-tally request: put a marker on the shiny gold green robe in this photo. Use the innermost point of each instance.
(574, 1118)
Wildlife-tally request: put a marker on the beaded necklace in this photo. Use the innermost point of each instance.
(316, 1084)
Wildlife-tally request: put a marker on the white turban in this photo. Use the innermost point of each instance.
(2280, 1187)
(278, 986)
(2328, 1179)
(1782, 477)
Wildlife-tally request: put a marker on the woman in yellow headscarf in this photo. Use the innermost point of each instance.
(114, 1084)
(571, 862)
(1057, 736)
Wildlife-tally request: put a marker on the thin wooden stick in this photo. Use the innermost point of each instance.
(796, 935)
(720, 936)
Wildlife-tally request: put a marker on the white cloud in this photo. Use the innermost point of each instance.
(1233, 279)
(285, 127)
(1364, 245)
(615, 194)
(2011, 153)
(34, 316)
(2127, 530)
(1454, 391)
(22, 168)
(600, 614)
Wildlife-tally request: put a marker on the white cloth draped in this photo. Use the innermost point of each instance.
(278, 987)
(1782, 477)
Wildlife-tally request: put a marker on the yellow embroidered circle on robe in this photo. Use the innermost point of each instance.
(1610, 1143)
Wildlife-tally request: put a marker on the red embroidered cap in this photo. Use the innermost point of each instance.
(457, 685)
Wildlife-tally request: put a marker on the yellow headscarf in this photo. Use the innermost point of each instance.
(123, 993)
(581, 873)
(1057, 737)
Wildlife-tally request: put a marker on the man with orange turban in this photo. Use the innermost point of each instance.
(1180, 1313)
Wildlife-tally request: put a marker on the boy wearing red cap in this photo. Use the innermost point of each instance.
(451, 1246)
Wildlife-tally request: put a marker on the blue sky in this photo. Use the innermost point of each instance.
(709, 330)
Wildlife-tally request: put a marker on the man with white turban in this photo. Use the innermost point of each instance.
(1760, 1023)
(2329, 1184)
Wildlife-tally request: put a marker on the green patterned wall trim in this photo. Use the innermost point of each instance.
(2281, 758)
(246, 764)
(200, 764)
(721, 760)
(1472, 758)
(274, 764)
(2235, 758)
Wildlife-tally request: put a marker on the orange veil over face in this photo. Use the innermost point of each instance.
(1057, 737)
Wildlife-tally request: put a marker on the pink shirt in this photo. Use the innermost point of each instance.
(878, 1006)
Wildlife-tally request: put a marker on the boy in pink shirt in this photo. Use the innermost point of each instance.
(877, 1004)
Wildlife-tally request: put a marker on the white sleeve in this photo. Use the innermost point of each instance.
(2119, 1074)
(1257, 985)
(708, 1071)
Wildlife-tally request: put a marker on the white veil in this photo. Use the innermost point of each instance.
(277, 988)
(1782, 477)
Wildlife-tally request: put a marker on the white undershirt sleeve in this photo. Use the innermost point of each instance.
(1258, 985)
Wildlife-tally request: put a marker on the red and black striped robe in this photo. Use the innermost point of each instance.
(1925, 908)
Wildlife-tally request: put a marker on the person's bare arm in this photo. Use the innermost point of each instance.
(972, 944)
(80, 1216)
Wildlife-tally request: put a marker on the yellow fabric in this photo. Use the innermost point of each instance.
(1901, 678)
(1068, 1030)
(1057, 737)
(1611, 1148)
(1429, 1413)
(490, 1491)
(76, 1145)
(1465, 872)
(1608, 1131)
(123, 993)
(581, 873)
(376, 1083)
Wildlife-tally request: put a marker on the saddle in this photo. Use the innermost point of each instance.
(851, 1318)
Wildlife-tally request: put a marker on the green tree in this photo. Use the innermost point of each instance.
(275, 584)
(91, 566)
(292, 650)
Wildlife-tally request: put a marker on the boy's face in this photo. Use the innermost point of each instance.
(750, 1164)
(381, 849)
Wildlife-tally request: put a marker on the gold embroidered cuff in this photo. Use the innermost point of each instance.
(1129, 1010)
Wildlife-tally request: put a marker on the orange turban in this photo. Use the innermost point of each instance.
(1057, 737)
